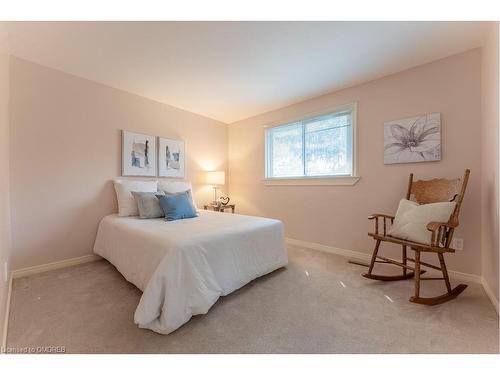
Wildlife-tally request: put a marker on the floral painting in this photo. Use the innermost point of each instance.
(138, 154)
(413, 140)
(171, 158)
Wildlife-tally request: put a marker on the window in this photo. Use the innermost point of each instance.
(320, 146)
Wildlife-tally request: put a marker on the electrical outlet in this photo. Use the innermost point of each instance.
(458, 244)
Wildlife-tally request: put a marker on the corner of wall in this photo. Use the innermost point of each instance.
(5, 227)
(490, 168)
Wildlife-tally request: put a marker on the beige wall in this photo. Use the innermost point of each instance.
(337, 215)
(489, 218)
(4, 173)
(66, 147)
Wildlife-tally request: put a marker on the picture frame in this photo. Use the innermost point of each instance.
(413, 140)
(139, 156)
(171, 158)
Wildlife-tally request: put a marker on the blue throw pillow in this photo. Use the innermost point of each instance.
(177, 206)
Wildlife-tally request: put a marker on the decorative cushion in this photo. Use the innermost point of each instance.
(412, 218)
(148, 204)
(172, 187)
(177, 206)
(127, 206)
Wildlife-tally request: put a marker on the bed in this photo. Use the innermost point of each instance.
(183, 266)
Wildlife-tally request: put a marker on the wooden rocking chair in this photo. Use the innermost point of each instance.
(432, 191)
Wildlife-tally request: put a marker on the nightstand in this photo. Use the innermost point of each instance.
(219, 208)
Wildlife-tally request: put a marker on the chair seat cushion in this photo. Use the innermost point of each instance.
(412, 218)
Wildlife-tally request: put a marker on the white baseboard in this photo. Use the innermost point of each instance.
(460, 276)
(490, 294)
(22, 272)
(466, 277)
(7, 313)
(328, 249)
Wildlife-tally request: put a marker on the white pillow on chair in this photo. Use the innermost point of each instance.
(127, 205)
(412, 219)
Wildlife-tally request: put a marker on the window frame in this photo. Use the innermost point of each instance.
(347, 179)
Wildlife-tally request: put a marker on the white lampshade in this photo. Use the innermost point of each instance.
(216, 178)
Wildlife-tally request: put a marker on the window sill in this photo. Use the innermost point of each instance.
(312, 181)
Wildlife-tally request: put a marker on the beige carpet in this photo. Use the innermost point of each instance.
(317, 304)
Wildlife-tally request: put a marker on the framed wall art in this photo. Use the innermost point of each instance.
(413, 140)
(138, 154)
(171, 158)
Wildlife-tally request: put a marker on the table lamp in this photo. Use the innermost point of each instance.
(216, 179)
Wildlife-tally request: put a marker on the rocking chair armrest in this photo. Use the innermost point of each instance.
(374, 216)
(384, 217)
(434, 225)
(438, 231)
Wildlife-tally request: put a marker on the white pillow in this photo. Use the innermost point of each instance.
(172, 187)
(127, 206)
(412, 219)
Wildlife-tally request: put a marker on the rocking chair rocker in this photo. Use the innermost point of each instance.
(432, 191)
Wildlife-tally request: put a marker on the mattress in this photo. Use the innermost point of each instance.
(184, 266)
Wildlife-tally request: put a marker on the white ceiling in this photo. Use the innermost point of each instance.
(233, 70)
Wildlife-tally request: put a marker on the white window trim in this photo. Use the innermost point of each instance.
(312, 181)
(347, 180)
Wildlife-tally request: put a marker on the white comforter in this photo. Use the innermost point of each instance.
(184, 266)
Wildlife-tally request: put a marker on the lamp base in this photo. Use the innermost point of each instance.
(215, 196)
